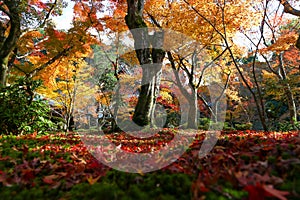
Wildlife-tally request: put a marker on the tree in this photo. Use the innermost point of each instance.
(205, 30)
(150, 58)
(32, 47)
(273, 41)
(8, 39)
(162, 14)
(282, 41)
(17, 18)
(262, 15)
(196, 72)
(281, 76)
(36, 44)
(67, 88)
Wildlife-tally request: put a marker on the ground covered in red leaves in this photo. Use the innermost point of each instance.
(242, 165)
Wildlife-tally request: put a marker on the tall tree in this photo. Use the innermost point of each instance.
(222, 29)
(150, 58)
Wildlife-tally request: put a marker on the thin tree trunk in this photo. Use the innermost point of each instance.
(288, 92)
(3, 70)
(298, 42)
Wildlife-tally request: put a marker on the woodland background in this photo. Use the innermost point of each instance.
(56, 83)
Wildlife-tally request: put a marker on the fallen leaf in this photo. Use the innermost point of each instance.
(92, 180)
(49, 179)
(275, 193)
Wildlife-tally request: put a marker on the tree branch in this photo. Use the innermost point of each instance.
(48, 14)
(52, 60)
(289, 9)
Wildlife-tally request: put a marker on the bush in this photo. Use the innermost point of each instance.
(206, 124)
(173, 119)
(286, 126)
(20, 112)
(243, 127)
(203, 123)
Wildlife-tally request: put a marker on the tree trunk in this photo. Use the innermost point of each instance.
(288, 92)
(298, 42)
(7, 44)
(192, 98)
(150, 58)
(192, 115)
(3, 70)
(144, 109)
(291, 104)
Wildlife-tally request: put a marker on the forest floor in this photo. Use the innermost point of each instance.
(242, 165)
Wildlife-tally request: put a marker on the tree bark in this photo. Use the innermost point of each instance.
(150, 58)
(298, 42)
(3, 70)
(8, 44)
(193, 115)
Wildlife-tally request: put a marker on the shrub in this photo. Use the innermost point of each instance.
(243, 127)
(20, 112)
(203, 123)
(286, 126)
(173, 119)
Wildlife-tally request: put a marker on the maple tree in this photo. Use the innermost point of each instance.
(163, 14)
(243, 164)
(198, 75)
(214, 28)
(273, 44)
(262, 12)
(282, 65)
(35, 44)
(41, 51)
(68, 89)
(37, 51)
(18, 19)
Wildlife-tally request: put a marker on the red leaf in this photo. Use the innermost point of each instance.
(49, 179)
(255, 192)
(259, 192)
(275, 193)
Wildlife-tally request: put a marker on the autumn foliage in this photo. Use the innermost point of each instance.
(230, 58)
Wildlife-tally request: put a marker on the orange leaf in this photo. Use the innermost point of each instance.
(92, 180)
